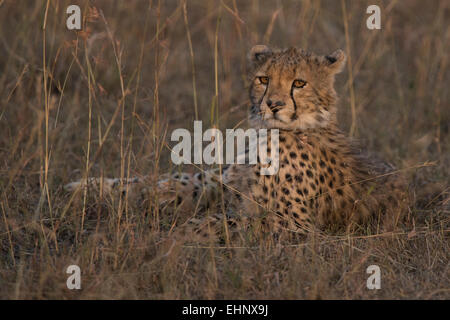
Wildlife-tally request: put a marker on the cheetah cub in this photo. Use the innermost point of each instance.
(324, 179)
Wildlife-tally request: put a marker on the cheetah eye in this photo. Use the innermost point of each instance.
(263, 80)
(299, 83)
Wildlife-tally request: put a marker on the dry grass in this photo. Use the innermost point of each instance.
(104, 101)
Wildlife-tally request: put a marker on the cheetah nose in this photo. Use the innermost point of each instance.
(275, 107)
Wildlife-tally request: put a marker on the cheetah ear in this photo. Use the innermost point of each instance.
(259, 54)
(336, 61)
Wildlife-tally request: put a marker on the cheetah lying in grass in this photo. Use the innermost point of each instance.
(324, 180)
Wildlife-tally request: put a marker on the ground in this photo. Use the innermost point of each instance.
(114, 92)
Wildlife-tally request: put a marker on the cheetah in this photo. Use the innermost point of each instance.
(324, 178)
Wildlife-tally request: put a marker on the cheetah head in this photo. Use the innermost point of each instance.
(292, 89)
